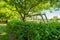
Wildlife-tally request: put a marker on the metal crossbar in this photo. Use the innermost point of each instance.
(41, 15)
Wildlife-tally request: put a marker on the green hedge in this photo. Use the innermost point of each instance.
(19, 30)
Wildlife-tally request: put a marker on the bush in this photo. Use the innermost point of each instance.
(19, 30)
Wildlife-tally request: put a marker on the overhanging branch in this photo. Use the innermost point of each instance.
(32, 7)
(18, 10)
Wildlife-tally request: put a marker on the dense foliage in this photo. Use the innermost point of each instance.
(20, 30)
(20, 10)
(26, 7)
(6, 13)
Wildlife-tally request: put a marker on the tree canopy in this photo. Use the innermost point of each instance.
(25, 7)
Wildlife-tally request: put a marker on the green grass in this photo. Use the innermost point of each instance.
(3, 32)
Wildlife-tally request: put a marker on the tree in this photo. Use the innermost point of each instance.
(6, 13)
(24, 7)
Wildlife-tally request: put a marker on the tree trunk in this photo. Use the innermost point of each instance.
(24, 18)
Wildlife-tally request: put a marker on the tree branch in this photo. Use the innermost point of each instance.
(18, 10)
(32, 7)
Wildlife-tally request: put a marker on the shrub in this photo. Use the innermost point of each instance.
(19, 30)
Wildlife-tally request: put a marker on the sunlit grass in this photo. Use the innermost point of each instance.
(3, 24)
(3, 33)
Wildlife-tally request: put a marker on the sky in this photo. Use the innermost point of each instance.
(54, 13)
